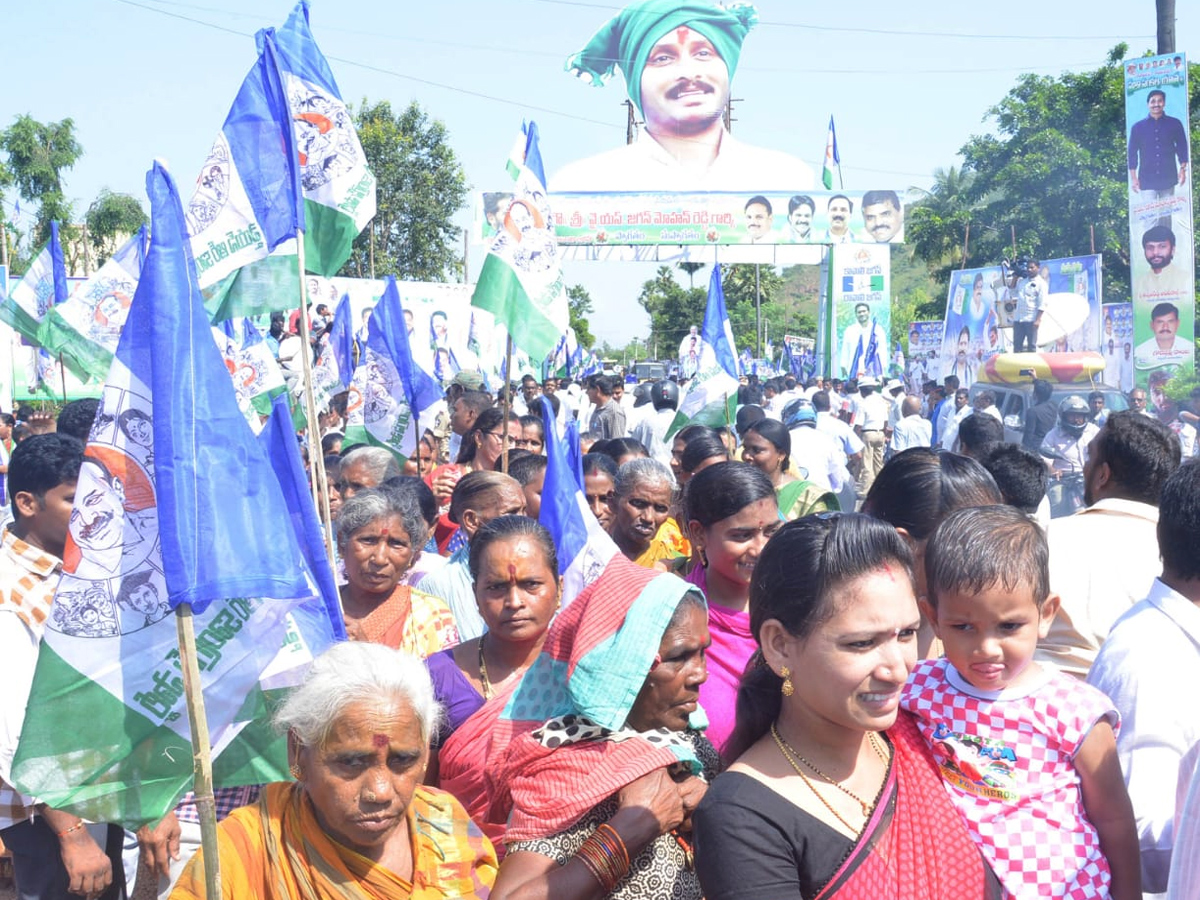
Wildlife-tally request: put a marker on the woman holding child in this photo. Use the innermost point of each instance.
(833, 792)
(856, 780)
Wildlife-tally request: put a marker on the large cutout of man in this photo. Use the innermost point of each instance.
(864, 344)
(678, 59)
(1158, 150)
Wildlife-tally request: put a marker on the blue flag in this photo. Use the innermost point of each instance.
(391, 396)
(176, 502)
(283, 450)
(341, 341)
(584, 548)
(197, 424)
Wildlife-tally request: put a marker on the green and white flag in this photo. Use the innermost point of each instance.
(42, 286)
(85, 328)
(155, 524)
(257, 378)
(244, 233)
(711, 397)
(521, 281)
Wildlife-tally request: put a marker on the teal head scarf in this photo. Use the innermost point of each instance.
(626, 41)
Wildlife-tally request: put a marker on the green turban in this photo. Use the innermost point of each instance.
(626, 41)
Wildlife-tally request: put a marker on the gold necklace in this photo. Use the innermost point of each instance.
(483, 675)
(812, 787)
(874, 741)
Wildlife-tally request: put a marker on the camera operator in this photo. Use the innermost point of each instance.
(1028, 290)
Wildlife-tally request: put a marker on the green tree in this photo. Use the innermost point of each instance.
(938, 223)
(420, 186)
(672, 308)
(579, 302)
(691, 268)
(38, 153)
(740, 293)
(110, 219)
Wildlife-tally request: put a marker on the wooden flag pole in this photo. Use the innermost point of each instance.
(320, 482)
(508, 348)
(206, 803)
(62, 374)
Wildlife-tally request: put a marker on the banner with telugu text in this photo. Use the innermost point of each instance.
(1160, 224)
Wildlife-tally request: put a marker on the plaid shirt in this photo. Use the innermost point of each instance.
(228, 799)
(28, 577)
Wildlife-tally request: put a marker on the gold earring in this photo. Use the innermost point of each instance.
(295, 770)
(703, 557)
(787, 689)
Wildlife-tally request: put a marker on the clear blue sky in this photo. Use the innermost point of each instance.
(907, 83)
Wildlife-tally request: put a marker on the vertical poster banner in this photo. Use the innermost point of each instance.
(860, 281)
(924, 354)
(1116, 345)
(1160, 224)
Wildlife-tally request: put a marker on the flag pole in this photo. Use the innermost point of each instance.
(508, 348)
(320, 483)
(62, 373)
(206, 804)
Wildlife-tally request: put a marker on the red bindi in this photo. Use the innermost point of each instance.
(380, 740)
(681, 34)
(384, 531)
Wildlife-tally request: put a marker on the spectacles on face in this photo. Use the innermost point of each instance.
(1140, 401)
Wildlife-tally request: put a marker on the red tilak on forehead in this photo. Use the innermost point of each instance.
(380, 740)
(512, 573)
(384, 531)
(681, 33)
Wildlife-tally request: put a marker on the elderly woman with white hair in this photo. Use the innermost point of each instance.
(380, 533)
(356, 822)
(641, 505)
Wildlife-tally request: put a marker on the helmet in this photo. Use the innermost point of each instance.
(665, 395)
(799, 412)
(1073, 415)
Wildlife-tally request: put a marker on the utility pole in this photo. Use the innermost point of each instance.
(728, 116)
(1165, 10)
(631, 122)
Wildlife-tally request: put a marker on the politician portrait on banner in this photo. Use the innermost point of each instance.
(1160, 220)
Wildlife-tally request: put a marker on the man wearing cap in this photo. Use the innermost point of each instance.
(678, 59)
(872, 419)
(813, 451)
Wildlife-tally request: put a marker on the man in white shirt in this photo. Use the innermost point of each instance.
(1104, 558)
(814, 451)
(872, 417)
(911, 430)
(948, 436)
(1151, 654)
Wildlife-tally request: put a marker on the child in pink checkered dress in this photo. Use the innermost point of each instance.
(1027, 754)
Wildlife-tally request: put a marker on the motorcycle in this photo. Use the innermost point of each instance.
(1065, 490)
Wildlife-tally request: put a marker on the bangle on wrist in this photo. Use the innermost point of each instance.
(605, 856)
(75, 827)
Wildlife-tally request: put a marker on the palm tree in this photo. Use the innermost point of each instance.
(939, 219)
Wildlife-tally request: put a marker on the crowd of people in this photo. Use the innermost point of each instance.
(841, 650)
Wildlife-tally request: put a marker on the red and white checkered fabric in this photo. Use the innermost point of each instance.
(1006, 760)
